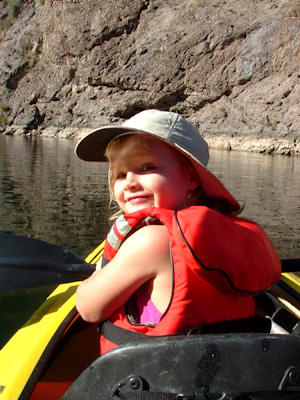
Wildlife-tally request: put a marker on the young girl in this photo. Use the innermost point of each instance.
(176, 257)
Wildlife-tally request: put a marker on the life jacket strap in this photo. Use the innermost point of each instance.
(263, 395)
(135, 387)
(121, 336)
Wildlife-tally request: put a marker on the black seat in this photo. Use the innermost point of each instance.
(210, 366)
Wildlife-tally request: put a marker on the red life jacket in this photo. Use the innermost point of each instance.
(219, 263)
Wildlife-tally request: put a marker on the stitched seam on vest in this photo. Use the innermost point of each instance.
(213, 269)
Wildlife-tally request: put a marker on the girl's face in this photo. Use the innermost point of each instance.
(146, 172)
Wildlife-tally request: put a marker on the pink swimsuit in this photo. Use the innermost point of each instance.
(146, 309)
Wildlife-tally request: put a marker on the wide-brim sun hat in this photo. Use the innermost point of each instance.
(172, 129)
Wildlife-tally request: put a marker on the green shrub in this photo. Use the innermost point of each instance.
(3, 109)
(13, 10)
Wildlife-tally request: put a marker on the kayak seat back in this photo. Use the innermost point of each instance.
(206, 366)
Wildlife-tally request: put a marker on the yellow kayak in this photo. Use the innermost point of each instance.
(36, 322)
(49, 352)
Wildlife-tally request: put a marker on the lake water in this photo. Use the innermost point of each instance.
(47, 193)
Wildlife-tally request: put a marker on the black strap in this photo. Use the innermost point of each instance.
(121, 336)
(159, 396)
(135, 387)
(272, 395)
(242, 325)
(151, 396)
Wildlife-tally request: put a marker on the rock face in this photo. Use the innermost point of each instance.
(231, 67)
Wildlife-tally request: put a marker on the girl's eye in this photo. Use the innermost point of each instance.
(120, 175)
(148, 167)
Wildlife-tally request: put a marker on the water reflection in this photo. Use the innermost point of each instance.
(270, 187)
(46, 193)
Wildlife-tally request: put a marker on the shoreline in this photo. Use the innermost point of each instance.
(267, 145)
(216, 140)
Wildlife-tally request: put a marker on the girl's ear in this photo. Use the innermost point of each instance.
(191, 177)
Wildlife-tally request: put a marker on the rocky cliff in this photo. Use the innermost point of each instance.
(231, 67)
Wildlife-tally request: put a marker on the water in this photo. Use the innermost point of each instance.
(269, 185)
(47, 193)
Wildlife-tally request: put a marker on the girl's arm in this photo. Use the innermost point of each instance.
(143, 257)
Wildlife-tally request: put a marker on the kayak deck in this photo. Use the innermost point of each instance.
(22, 358)
(17, 306)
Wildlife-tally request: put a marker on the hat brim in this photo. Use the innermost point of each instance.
(92, 148)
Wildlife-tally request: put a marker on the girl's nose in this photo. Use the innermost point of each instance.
(131, 180)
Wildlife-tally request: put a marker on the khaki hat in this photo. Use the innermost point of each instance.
(175, 131)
